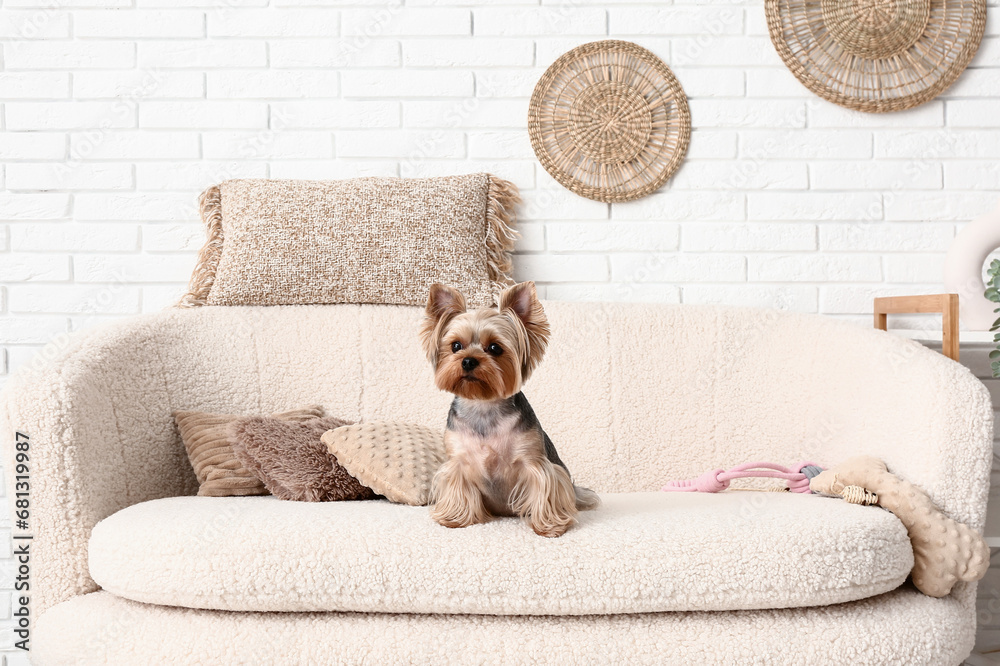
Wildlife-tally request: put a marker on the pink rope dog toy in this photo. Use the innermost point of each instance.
(719, 479)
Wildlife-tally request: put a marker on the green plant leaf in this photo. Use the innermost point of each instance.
(995, 353)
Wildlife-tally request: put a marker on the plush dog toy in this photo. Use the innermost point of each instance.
(944, 551)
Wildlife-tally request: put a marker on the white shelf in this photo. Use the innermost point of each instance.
(970, 338)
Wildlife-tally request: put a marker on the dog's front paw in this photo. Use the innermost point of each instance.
(452, 524)
(457, 500)
(459, 513)
(551, 533)
(451, 519)
(552, 529)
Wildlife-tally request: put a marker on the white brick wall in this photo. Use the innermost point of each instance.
(114, 114)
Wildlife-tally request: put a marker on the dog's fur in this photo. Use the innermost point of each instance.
(500, 461)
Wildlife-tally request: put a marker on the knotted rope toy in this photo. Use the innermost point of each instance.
(797, 480)
(718, 480)
(944, 551)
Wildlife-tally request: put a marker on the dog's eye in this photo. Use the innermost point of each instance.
(494, 349)
(456, 347)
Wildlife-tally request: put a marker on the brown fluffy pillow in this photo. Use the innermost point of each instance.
(210, 451)
(292, 461)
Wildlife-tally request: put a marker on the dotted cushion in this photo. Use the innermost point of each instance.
(397, 460)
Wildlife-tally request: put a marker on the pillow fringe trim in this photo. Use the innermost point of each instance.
(203, 277)
(502, 200)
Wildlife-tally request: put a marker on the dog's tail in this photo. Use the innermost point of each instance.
(586, 499)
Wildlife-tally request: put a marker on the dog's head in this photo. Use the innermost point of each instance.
(484, 354)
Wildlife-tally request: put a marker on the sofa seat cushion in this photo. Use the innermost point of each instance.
(637, 553)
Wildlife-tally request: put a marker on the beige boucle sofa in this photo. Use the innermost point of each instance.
(129, 567)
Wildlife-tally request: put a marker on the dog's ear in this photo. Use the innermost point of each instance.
(443, 300)
(443, 303)
(521, 301)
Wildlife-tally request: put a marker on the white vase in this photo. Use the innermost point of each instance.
(963, 270)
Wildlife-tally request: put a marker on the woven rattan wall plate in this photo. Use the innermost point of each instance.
(609, 121)
(876, 55)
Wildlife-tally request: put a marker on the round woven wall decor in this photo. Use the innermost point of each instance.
(609, 121)
(876, 55)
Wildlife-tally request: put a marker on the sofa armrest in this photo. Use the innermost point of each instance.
(85, 416)
(924, 414)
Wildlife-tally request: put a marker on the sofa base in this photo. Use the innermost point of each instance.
(900, 627)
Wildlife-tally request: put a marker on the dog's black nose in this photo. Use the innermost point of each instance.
(469, 364)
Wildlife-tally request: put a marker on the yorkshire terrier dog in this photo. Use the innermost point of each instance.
(500, 461)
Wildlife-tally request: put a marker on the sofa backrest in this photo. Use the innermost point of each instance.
(632, 396)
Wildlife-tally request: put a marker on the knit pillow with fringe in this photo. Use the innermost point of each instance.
(364, 240)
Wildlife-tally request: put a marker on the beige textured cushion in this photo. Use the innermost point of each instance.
(365, 240)
(209, 448)
(397, 460)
